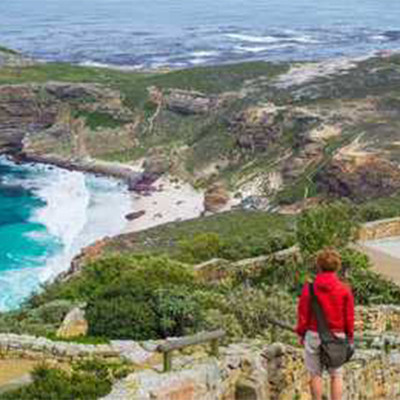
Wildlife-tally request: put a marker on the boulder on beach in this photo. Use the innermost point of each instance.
(135, 215)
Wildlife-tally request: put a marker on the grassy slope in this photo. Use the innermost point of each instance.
(134, 85)
(250, 228)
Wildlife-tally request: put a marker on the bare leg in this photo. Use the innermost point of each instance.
(336, 387)
(316, 386)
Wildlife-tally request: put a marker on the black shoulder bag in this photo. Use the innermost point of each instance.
(335, 351)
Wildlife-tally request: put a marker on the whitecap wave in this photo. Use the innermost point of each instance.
(96, 64)
(80, 209)
(64, 215)
(306, 39)
(262, 49)
(76, 210)
(204, 53)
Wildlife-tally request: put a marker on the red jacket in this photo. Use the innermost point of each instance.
(336, 300)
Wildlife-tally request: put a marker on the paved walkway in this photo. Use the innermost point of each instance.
(383, 263)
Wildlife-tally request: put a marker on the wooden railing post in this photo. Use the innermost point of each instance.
(215, 348)
(167, 361)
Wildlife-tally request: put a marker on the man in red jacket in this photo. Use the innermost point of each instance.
(337, 303)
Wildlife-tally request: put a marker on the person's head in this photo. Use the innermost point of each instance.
(328, 260)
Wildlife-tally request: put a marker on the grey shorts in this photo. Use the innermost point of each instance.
(312, 344)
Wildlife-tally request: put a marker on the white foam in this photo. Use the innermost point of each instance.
(379, 38)
(261, 49)
(95, 64)
(271, 39)
(78, 210)
(204, 53)
(64, 215)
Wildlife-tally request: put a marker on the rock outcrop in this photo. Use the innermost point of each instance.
(372, 178)
(48, 120)
(257, 128)
(189, 102)
(74, 325)
(216, 198)
(185, 102)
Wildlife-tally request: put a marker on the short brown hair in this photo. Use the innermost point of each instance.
(329, 259)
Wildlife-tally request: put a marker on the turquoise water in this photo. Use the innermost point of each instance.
(24, 241)
(181, 33)
(46, 216)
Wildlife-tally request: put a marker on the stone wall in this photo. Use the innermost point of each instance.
(273, 373)
(39, 348)
(378, 319)
(381, 229)
(371, 376)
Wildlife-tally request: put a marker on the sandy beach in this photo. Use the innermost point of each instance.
(171, 201)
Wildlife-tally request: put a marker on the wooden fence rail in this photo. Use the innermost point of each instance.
(177, 344)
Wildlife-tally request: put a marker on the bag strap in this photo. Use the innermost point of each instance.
(324, 332)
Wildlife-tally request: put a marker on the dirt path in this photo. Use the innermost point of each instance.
(383, 263)
(14, 373)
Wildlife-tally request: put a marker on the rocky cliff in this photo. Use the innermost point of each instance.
(281, 132)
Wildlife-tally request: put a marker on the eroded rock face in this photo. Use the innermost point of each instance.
(257, 128)
(44, 113)
(21, 111)
(216, 198)
(184, 102)
(372, 178)
(189, 102)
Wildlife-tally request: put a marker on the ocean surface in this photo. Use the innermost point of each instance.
(46, 216)
(181, 33)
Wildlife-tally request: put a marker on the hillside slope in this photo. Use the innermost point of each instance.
(282, 131)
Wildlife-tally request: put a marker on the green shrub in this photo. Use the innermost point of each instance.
(133, 297)
(40, 321)
(178, 312)
(327, 225)
(202, 247)
(121, 317)
(246, 311)
(387, 207)
(205, 246)
(56, 384)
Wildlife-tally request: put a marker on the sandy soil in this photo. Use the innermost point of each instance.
(171, 202)
(384, 263)
(15, 371)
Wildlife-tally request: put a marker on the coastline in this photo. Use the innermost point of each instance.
(74, 213)
(171, 200)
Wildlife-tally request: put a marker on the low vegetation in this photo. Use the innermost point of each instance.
(87, 380)
(233, 235)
